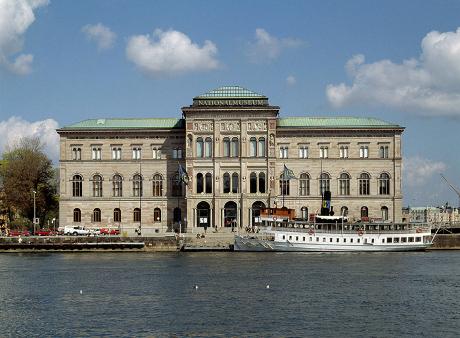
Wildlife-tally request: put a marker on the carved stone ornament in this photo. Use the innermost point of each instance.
(257, 126)
(203, 126)
(230, 126)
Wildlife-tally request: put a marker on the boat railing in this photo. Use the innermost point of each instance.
(352, 231)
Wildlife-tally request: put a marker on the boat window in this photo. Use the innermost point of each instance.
(351, 240)
(324, 239)
(290, 238)
(317, 239)
(411, 239)
(284, 237)
(330, 239)
(344, 240)
(403, 239)
(359, 240)
(338, 240)
(383, 240)
(311, 239)
(418, 239)
(389, 240)
(396, 239)
(372, 241)
(296, 238)
(304, 239)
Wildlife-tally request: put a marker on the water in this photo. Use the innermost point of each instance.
(152, 294)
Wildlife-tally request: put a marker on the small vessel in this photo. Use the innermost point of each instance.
(329, 233)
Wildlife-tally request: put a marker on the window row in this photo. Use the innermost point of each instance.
(231, 147)
(117, 183)
(364, 184)
(364, 212)
(96, 216)
(324, 151)
(116, 152)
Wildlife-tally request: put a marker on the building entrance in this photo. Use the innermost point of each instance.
(230, 214)
(203, 214)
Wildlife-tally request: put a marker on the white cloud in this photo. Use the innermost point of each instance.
(101, 34)
(418, 170)
(291, 80)
(429, 85)
(267, 47)
(15, 18)
(169, 52)
(13, 129)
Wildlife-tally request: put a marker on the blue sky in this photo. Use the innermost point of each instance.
(65, 61)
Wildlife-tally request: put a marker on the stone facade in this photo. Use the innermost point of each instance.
(234, 147)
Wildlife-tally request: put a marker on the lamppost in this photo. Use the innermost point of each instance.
(34, 211)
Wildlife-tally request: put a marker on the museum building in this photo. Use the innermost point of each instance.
(233, 147)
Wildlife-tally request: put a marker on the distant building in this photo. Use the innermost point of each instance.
(123, 172)
(442, 215)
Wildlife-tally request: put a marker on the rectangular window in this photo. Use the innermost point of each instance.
(344, 240)
(364, 152)
(284, 237)
(411, 239)
(304, 239)
(384, 151)
(76, 153)
(284, 152)
(156, 153)
(303, 152)
(136, 153)
(396, 240)
(116, 153)
(418, 239)
(389, 240)
(323, 152)
(96, 153)
(403, 239)
(359, 241)
(311, 239)
(338, 239)
(317, 239)
(351, 240)
(343, 151)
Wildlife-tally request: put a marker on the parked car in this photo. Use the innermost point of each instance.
(45, 232)
(107, 231)
(76, 231)
(95, 231)
(15, 233)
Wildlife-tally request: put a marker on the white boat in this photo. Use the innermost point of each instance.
(294, 236)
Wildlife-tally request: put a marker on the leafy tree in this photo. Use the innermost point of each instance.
(26, 168)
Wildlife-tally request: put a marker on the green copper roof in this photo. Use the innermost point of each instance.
(230, 92)
(334, 122)
(154, 123)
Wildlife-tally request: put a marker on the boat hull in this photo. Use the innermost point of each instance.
(257, 244)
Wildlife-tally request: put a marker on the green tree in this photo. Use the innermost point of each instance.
(25, 169)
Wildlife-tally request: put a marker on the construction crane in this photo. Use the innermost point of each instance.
(457, 190)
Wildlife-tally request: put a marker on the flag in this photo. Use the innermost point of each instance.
(183, 176)
(288, 174)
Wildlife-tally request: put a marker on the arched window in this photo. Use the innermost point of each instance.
(157, 215)
(137, 185)
(77, 184)
(77, 215)
(208, 183)
(261, 147)
(157, 185)
(304, 184)
(117, 186)
(199, 183)
(384, 184)
(226, 183)
(177, 215)
(344, 184)
(253, 183)
(235, 147)
(117, 215)
(304, 212)
(284, 186)
(97, 186)
(262, 183)
(252, 147)
(137, 215)
(199, 147)
(364, 212)
(324, 183)
(176, 185)
(364, 184)
(235, 183)
(96, 215)
(344, 211)
(226, 147)
(208, 147)
(384, 211)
